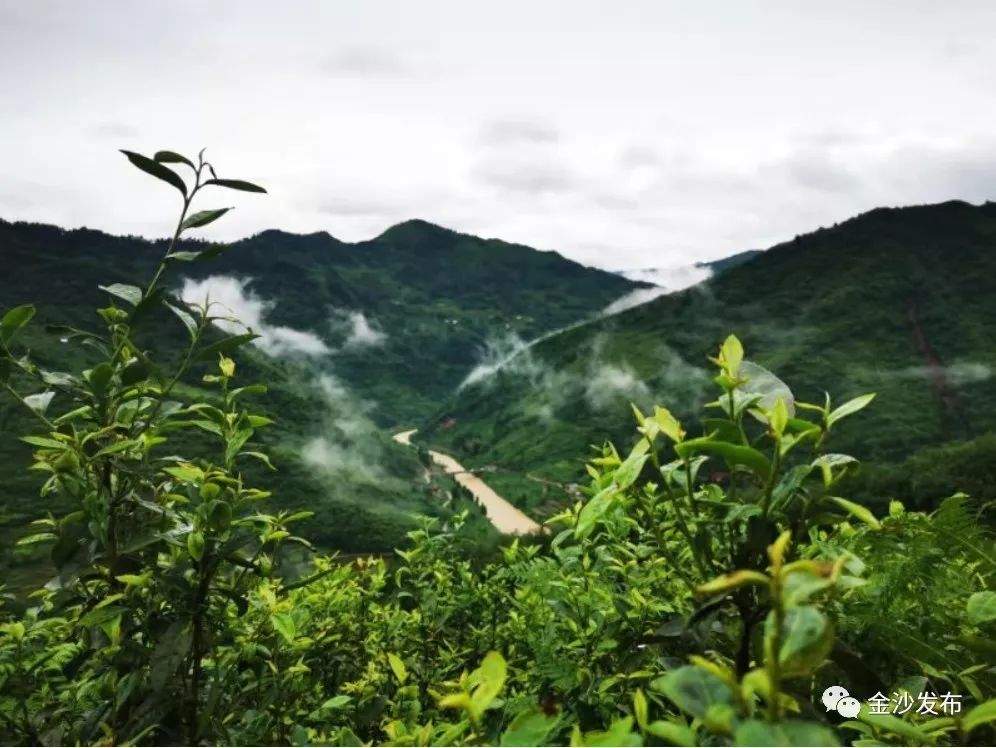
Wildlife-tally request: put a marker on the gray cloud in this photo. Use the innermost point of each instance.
(516, 174)
(113, 130)
(504, 120)
(365, 62)
(518, 131)
(353, 206)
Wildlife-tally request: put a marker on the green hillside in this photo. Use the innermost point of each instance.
(430, 298)
(900, 301)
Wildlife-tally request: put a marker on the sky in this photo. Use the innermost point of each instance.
(624, 134)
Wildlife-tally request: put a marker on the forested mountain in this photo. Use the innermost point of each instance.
(899, 301)
(356, 339)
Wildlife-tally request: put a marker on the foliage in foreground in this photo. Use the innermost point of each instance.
(706, 591)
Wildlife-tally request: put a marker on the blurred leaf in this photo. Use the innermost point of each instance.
(806, 640)
(397, 667)
(14, 320)
(131, 294)
(788, 733)
(283, 623)
(980, 715)
(858, 511)
(693, 690)
(981, 607)
(529, 728)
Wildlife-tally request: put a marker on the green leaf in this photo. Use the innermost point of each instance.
(640, 708)
(131, 294)
(980, 715)
(592, 511)
(731, 354)
(336, 702)
(40, 537)
(778, 417)
(890, 723)
(283, 624)
(14, 320)
(203, 218)
(806, 640)
(490, 677)
(735, 454)
(43, 442)
(733, 580)
(397, 667)
(848, 408)
(184, 256)
(857, 510)
(119, 446)
(627, 473)
(693, 689)
(261, 456)
(826, 463)
(788, 733)
(185, 473)
(185, 317)
(619, 734)
(668, 424)
(172, 157)
(672, 732)
(226, 345)
(195, 545)
(981, 607)
(531, 727)
(235, 184)
(170, 652)
(156, 169)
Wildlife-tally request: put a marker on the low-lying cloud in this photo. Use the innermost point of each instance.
(234, 298)
(349, 444)
(666, 280)
(603, 383)
(356, 329)
(957, 374)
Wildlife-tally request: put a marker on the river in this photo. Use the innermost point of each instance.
(505, 517)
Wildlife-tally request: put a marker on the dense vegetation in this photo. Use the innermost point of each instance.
(706, 589)
(897, 301)
(432, 296)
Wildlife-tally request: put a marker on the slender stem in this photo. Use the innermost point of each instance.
(774, 666)
(775, 465)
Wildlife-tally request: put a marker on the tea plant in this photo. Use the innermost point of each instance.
(705, 591)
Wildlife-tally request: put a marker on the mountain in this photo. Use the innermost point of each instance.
(725, 263)
(899, 301)
(356, 339)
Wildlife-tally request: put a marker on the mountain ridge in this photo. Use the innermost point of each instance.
(846, 306)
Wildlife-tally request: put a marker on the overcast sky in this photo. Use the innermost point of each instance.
(623, 134)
